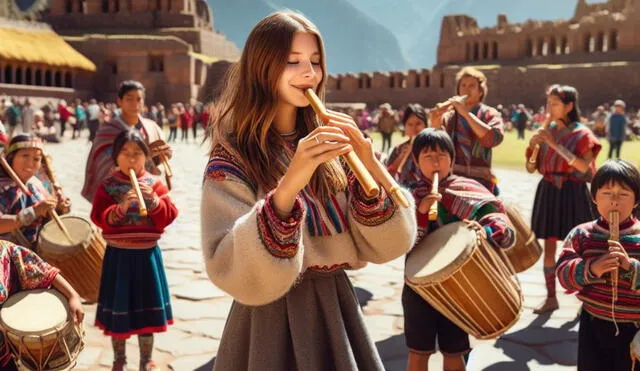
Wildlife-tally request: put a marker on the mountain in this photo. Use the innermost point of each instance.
(354, 41)
(416, 23)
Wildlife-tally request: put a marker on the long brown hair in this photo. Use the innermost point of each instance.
(243, 116)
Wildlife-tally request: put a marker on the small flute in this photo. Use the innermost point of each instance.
(536, 150)
(447, 104)
(614, 235)
(433, 210)
(136, 186)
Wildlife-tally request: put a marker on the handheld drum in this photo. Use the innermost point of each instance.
(79, 261)
(462, 276)
(39, 329)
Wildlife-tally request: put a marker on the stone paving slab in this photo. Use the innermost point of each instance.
(192, 342)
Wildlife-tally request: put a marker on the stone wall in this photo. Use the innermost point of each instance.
(596, 82)
(596, 51)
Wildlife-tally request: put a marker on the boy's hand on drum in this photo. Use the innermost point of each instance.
(477, 227)
(427, 201)
(616, 249)
(77, 312)
(43, 207)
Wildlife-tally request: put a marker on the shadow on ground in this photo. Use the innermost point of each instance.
(546, 345)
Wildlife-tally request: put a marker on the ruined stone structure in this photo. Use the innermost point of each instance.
(168, 45)
(598, 51)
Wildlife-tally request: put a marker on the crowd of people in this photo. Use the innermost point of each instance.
(50, 122)
(613, 121)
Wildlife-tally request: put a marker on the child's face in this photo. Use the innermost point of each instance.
(431, 161)
(556, 108)
(413, 125)
(619, 109)
(27, 162)
(131, 157)
(615, 197)
(303, 70)
(132, 103)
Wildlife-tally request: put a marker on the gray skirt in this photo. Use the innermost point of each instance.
(317, 326)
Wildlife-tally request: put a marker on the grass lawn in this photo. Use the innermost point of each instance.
(510, 153)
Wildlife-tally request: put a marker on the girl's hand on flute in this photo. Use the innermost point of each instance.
(427, 201)
(323, 144)
(43, 207)
(547, 137)
(128, 199)
(362, 146)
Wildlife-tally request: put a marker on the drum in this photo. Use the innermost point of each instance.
(462, 276)
(80, 262)
(527, 250)
(39, 329)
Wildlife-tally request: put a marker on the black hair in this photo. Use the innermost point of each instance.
(125, 137)
(17, 139)
(129, 85)
(567, 94)
(432, 139)
(414, 109)
(617, 171)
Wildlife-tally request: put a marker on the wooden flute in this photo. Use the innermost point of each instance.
(134, 183)
(433, 210)
(360, 171)
(443, 106)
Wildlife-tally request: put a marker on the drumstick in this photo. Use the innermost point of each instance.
(25, 190)
(136, 186)
(12, 174)
(367, 182)
(433, 210)
(614, 235)
(63, 228)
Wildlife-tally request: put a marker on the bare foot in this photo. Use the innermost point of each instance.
(549, 305)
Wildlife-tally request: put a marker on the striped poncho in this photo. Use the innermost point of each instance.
(584, 244)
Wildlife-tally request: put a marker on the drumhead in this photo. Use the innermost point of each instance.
(52, 240)
(440, 253)
(34, 312)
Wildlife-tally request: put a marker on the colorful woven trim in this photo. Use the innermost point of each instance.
(370, 212)
(33, 143)
(280, 237)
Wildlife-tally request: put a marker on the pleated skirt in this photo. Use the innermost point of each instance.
(134, 293)
(557, 210)
(317, 326)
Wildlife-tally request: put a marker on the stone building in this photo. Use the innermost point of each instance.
(597, 50)
(168, 45)
(35, 61)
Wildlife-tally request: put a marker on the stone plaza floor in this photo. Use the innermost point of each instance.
(200, 309)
